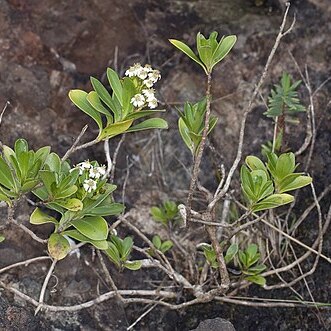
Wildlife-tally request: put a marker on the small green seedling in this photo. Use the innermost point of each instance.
(249, 265)
(210, 51)
(19, 170)
(166, 213)
(130, 97)
(162, 246)
(210, 254)
(283, 105)
(119, 251)
(264, 186)
(192, 122)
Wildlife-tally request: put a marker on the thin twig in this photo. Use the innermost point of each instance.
(281, 34)
(43, 289)
(73, 148)
(24, 263)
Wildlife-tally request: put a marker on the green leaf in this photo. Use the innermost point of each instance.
(6, 176)
(115, 129)
(285, 165)
(115, 84)
(273, 201)
(2, 238)
(105, 96)
(128, 92)
(61, 194)
(42, 153)
(152, 123)
(49, 180)
(108, 210)
(133, 265)
(259, 280)
(93, 227)
(113, 254)
(257, 269)
(29, 185)
(58, 246)
(78, 97)
(21, 145)
(74, 234)
(94, 101)
(72, 204)
(223, 49)
(298, 182)
(53, 163)
(188, 51)
(39, 217)
(251, 251)
(127, 244)
(166, 245)
(254, 163)
(157, 242)
(184, 132)
(231, 252)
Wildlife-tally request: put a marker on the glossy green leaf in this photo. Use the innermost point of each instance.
(273, 201)
(133, 265)
(113, 254)
(231, 252)
(188, 51)
(21, 145)
(58, 246)
(72, 204)
(254, 163)
(152, 123)
(296, 183)
(49, 180)
(115, 84)
(223, 49)
(62, 194)
(166, 245)
(157, 242)
(94, 101)
(29, 185)
(39, 217)
(115, 129)
(127, 244)
(78, 97)
(259, 280)
(108, 210)
(129, 91)
(184, 132)
(74, 234)
(105, 96)
(93, 227)
(6, 176)
(53, 162)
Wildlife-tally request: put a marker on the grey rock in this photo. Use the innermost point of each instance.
(215, 324)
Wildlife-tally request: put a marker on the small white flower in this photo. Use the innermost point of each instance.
(148, 67)
(134, 70)
(89, 185)
(152, 103)
(97, 172)
(149, 94)
(148, 82)
(82, 166)
(138, 100)
(154, 76)
(143, 73)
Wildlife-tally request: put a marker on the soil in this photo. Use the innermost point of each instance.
(49, 47)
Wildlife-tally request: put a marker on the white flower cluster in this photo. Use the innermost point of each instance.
(149, 76)
(94, 173)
